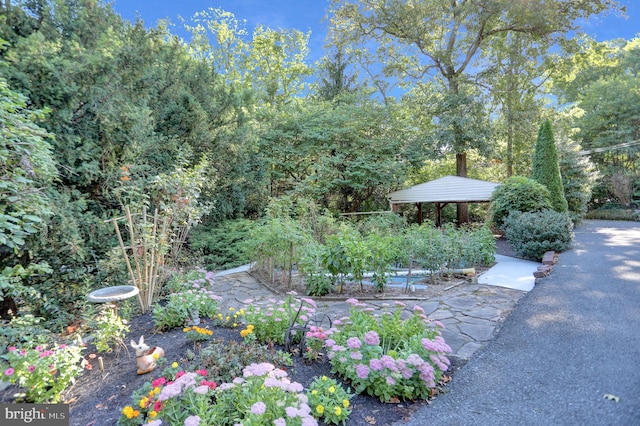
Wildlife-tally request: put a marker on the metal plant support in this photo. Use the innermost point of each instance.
(318, 319)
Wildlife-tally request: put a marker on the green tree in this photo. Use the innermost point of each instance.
(26, 167)
(546, 169)
(345, 156)
(601, 90)
(419, 40)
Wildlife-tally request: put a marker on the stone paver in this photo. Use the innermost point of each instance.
(471, 313)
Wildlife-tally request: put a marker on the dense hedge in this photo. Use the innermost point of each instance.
(518, 194)
(532, 234)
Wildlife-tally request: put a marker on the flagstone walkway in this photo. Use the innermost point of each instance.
(471, 313)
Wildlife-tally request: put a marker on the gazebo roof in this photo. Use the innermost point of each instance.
(448, 189)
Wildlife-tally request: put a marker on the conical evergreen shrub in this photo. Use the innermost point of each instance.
(546, 169)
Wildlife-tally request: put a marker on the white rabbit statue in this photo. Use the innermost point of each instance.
(145, 356)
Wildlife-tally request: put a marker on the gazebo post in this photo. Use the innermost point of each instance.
(419, 213)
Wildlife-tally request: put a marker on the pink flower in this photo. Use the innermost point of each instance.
(38, 348)
(12, 348)
(157, 406)
(362, 371)
(192, 421)
(375, 364)
(179, 374)
(356, 355)
(372, 338)
(31, 368)
(390, 381)
(158, 382)
(211, 385)
(259, 408)
(9, 371)
(202, 390)
(203, 372)
(62, 346)
(354, 343)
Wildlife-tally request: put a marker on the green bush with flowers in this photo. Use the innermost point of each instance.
(43, 373)
(329, 401)
(264, 395)
(271, 322)
(191, 293)
(388, 356)
(176, 397)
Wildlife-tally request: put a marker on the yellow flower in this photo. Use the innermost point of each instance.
(155, 355)
(174, 365)
(324, 377)
(152, 414)
(144, 401)
(345, 403)
(314, 392)
(319, 409)
(186, 329)
(235, 324)
(332, 389)
(250, 327)
(231, 309)
(228, 318)
(241, 311)
(135, 413)
(128, 411)
(337, 410)
(245, 332)
(220, 316)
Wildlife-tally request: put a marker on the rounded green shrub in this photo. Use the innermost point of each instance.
(533, 234)
(518, 194)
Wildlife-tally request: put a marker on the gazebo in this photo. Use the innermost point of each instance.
(448, 189)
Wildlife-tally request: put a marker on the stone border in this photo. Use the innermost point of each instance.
(549, 259)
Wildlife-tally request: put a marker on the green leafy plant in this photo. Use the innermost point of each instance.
(221, 246)
(329, 401)
(317, 282)
(264, 395)
(382, 251)
(22, 330)
(108, 330)
(191, 292)
(173, 398)
(43, 373)
(532, 234)
(314, 342)
(197, 334)
(390, 356)
(518, 194)
(272, 321)
(224, 360)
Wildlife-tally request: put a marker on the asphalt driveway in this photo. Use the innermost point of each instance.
(568, 350)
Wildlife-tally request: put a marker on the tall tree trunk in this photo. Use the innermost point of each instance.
(461, 170)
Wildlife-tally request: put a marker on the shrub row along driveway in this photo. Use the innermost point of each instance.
(568, 351)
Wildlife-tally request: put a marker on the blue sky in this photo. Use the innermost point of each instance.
(307, 15)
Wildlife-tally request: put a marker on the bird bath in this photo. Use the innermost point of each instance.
(112, 295)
